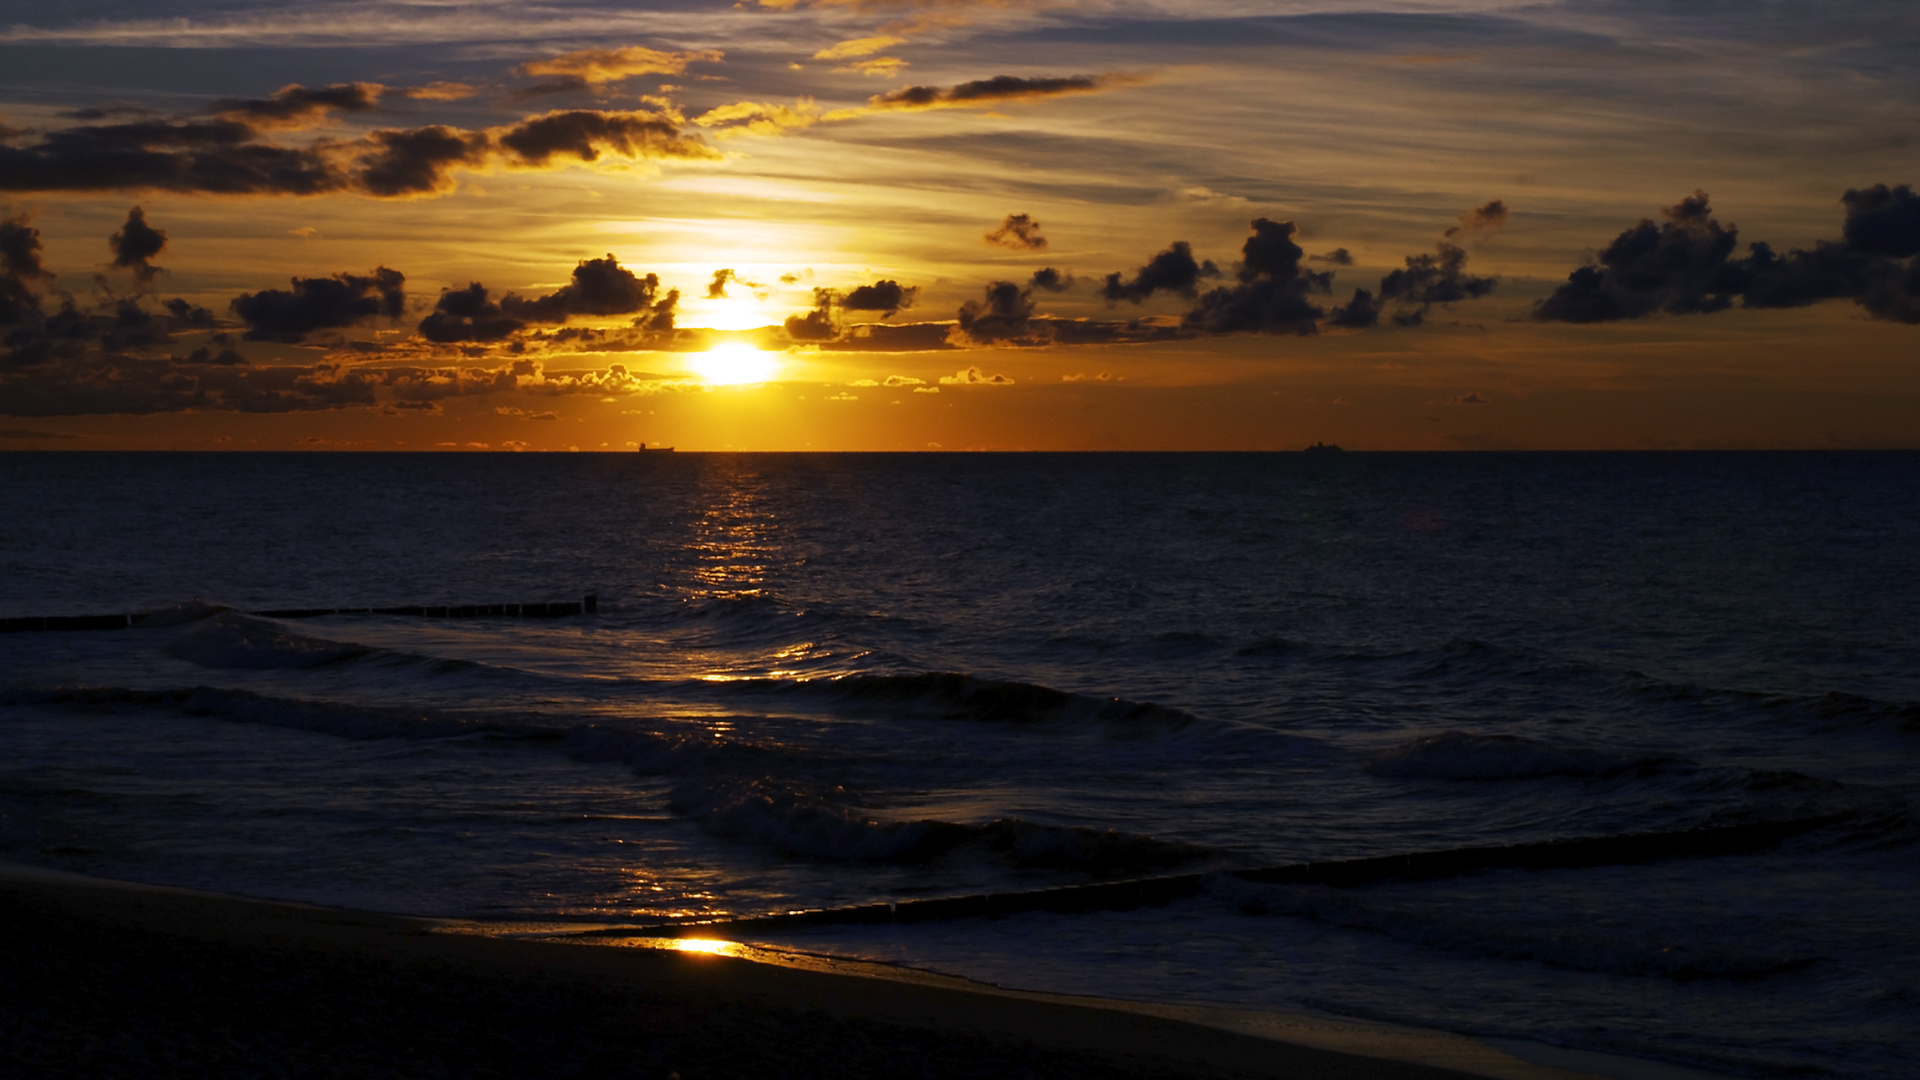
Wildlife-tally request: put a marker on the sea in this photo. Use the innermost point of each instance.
(816, 681)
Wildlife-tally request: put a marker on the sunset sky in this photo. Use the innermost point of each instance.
(959, 224)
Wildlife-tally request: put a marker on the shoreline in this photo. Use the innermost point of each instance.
(771, 1005)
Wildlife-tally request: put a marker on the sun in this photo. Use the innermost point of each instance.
(733, 362)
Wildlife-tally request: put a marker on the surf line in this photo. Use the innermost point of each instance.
(586, 605)
(1157, 891)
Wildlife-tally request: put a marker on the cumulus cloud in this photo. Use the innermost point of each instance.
(1338, 257)
(973, 376)
(1272, 293)
(1005, 313)
(885, 296)
(1685, 265)
(21, 270)
(1048, 279)
(1439, 278)
(599, 287)
(295, 106)
(595, 66)
(1173, 270)
(135, 245)
(321, 304)
(1019, 232)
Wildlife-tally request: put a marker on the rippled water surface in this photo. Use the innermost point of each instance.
(820, 680)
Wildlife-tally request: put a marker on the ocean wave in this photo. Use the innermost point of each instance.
(771, 795)
(1457, 755)
(952, 695)
(1596, 949)
(347, 721)
(231, 641)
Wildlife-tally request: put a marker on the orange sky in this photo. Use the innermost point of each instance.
(958, 226)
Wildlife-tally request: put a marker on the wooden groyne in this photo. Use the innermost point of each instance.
(555, 609)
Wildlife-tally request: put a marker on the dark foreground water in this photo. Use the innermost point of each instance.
(818, 680)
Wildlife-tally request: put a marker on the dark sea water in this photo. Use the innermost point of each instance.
(820, 680)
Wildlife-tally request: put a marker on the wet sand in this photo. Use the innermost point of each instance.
(103, 979)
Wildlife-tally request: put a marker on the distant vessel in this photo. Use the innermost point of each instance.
(1323, 448)
(645, 449)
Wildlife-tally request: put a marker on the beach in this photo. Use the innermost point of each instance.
(113, 979)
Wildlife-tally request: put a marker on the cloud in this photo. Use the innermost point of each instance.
(596, 66)
(585, 134)
(1685, 266)
(1272, 296)
(226, 157)
(878, 67)
(321, 304)
(1480, 219)
(1360, 313)
(973, 376)
(420, 161)
(1440, 278)
(1003, 314)
(438, 91)
(865, 46)
(1049, 279)
(135, 244)
(987, 92)
(29, 433)
(1019, 232)
(818, 324)
(760, 118)
(1338, 257)
(1173, 270)
(717, 288)
(599, 287)
(295, 106)
(1883, 221)
(20, 270)
(886, 295)
(1468, 399)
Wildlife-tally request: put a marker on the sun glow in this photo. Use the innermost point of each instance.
(734, 362)
(700, 945)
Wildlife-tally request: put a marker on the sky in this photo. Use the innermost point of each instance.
(959, 224)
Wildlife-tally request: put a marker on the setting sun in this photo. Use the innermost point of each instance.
(734, 362)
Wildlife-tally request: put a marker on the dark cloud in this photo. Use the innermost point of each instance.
(1272, 296)
(585, 134)
(1005, 313)
(599, 287)
(818, 324)
(295, 106)
(20, 270)
(997, 89)
(420, 161)
(114, 383)
(226, 156)
(1173, 270)
(218, 157)
(717, 288)
(1360, 313)
(321, 304)
(136, 244)
(1675, 266)
(1019, 232)
(467, 315)
(1048, 279)
(1685, 266)
(885, 295)
(1883, 221)
(1338, 257)
(1480, 219)
(1439, 278)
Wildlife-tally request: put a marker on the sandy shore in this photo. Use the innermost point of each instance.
(104, 979)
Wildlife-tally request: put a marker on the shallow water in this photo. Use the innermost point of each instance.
(834, 679)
